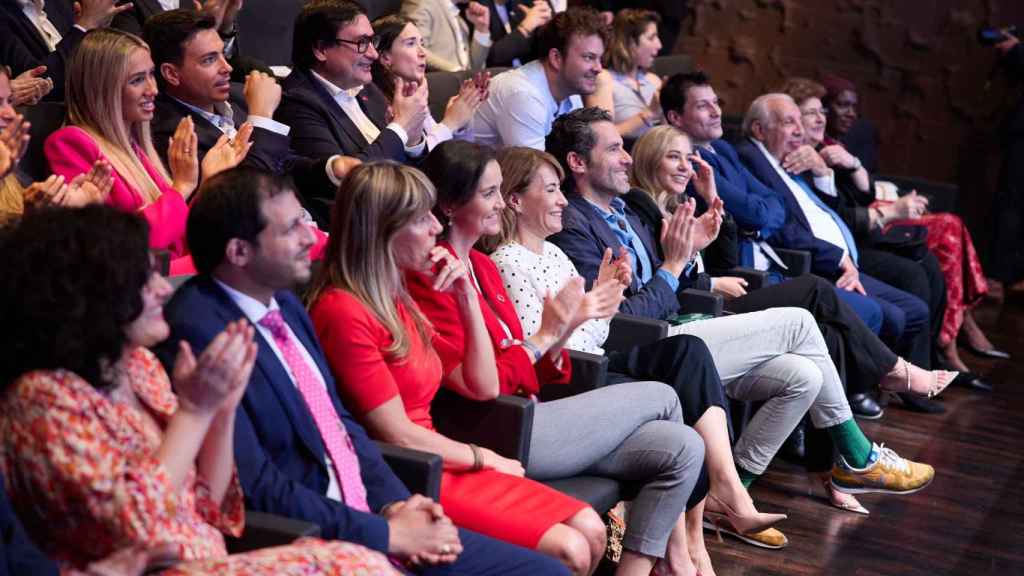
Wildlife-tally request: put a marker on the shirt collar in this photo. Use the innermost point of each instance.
(336, 92)
(618, 209)
(771, 159)
(534, 72)
(220, 110)
(253, 309)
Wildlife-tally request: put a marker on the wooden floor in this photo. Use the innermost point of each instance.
(969, 521)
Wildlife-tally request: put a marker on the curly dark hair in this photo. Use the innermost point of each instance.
(72, 283)
(572, 132)
(560, 30)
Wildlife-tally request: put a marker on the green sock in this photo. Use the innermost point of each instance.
(746, 478)
(851, 442)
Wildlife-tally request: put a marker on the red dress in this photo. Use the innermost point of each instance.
(516, 371)
(516, 510)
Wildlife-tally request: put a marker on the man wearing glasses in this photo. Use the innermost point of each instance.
(329, 99)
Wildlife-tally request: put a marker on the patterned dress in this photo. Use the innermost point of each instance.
(83, 474)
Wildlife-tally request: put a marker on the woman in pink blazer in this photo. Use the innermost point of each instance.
(111, 89)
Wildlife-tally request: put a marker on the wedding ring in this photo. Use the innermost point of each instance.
(446, 549)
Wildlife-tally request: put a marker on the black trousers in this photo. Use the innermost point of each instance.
(860, 357)
(684, 363)
(922, 279)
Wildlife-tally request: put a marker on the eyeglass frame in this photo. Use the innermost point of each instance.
(361, 45)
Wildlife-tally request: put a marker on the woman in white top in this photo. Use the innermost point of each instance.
(402, 55)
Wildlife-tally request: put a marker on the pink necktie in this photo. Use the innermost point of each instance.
(332, 431)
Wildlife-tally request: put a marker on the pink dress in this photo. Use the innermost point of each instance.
(72, 151)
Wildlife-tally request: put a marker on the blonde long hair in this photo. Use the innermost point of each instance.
(647, 154)
(374, 202)
(95, 80)
(518, 165)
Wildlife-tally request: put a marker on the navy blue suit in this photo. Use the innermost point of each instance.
(18, 555)
(320, 128)
(584, 237)
(278, 450)
(904, 316)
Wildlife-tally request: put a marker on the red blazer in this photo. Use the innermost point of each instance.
(517, 373)
(71, 151)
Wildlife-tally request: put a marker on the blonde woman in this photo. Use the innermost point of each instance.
(111, 89)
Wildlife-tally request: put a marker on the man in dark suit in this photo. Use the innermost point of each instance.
(250, 244)
(775, 154)
(194, 78)
(46, 37)
(330, 100)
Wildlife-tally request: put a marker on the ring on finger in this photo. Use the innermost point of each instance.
(446, 549)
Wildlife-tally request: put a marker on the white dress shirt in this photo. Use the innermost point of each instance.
(823, 226)
(254, 310)
(346, 100)
(520, 109)
(34, 11)
(169, 4)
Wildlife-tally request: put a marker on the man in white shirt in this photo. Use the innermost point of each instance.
(524, 102)
(777, 156)
(330, 100)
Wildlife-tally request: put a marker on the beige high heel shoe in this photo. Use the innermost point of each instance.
(748, 524)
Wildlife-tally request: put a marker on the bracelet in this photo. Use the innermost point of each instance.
(478, 461)
(532, 349)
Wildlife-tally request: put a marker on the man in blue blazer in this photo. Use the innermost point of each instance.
(775, 154)
(250, 244)
(330, 100)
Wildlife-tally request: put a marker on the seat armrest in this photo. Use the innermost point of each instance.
(420, 471)
(756, 279)
(798, 261)
(627, 330)
(503, 424)
(264, 530)
(700, 301)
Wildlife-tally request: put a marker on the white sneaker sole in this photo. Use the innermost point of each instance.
(848, 490)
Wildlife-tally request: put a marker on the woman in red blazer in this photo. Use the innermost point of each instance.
(111, 89)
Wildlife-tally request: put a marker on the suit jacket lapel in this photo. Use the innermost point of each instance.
(780, 187)
(275, 374)
(29, 30)
(603, 232)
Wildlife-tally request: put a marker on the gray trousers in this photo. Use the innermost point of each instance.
(777, 356)
(632, 432)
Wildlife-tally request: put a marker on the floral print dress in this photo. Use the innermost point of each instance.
(83, 475)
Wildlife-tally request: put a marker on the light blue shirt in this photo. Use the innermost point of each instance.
(520, 109)
(639, 260)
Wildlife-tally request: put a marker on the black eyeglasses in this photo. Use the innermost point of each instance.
(362, 45)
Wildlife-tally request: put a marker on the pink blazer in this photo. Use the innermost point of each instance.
(71, 151)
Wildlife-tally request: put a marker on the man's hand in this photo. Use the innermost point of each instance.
(342, 165)
(535, 16)
(910, 205)
(262, 94)
(418, 535)
(805, 158)
(223, 12)
(29, 87)
(479, 16)
(91, 14)
(410, 107)
(850, 279)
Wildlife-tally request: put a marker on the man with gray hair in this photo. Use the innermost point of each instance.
(775, 153)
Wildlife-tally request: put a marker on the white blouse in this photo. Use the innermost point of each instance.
(528, 277)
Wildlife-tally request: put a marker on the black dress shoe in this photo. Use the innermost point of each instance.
(794, 449)
(990, 353)
(865, 406)
(972, 381)
(922, 405)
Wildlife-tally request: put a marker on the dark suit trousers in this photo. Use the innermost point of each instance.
(483, 555)
(684, 363)
(859, 355)
(922, 279)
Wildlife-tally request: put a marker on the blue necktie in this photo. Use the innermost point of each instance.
(850, 244)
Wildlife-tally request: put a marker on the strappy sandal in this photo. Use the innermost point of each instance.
(941, 379)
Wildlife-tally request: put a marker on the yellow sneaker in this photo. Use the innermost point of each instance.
(888, 473)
